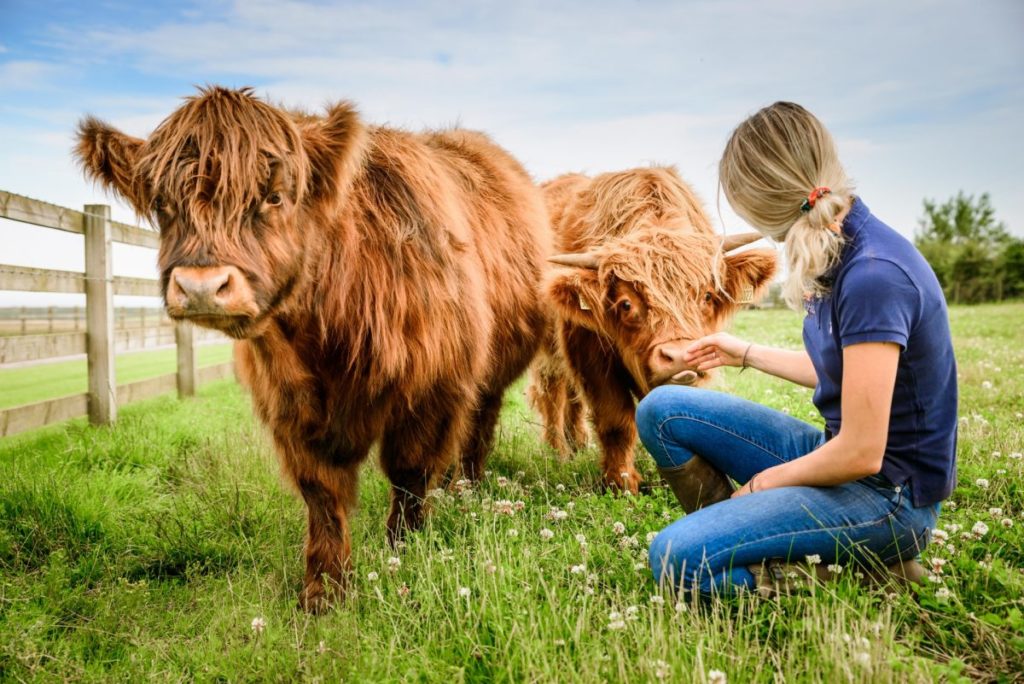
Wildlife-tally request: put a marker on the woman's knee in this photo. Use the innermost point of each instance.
(660, 404)
(674, 559)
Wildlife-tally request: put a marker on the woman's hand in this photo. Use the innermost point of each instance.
(718, 349)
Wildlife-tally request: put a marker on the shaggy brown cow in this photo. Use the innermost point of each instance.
(383, 286)
(649, 275)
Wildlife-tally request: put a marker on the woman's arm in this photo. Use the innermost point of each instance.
(869, 378)
(722, 349)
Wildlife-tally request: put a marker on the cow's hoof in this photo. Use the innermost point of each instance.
(316, 600)
(624, 482)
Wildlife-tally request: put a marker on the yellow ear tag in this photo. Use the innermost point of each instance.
(583, 304)
(747, 295)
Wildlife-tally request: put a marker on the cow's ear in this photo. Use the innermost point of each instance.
(335, 147)
(748, 273)
(576, 296)
(109, 156)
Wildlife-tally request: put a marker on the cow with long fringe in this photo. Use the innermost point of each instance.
(382, 286)
(644, 274)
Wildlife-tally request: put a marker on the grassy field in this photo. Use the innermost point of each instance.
(29, 384)
(168, 549)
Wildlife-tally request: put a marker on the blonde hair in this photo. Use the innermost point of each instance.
(772, 162)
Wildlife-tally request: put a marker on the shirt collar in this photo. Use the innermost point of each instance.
(853, 222)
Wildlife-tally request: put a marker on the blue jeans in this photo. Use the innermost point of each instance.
(868, 521)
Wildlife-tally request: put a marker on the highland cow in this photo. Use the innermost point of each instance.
(383, 287)
(647, 275)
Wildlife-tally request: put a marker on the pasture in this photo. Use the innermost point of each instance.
(167, 548)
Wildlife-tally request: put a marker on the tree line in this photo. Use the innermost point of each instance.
(974, 256)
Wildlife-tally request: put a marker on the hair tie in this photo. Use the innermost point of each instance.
(815, 195)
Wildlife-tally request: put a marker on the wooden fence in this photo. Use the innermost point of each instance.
(99, 285)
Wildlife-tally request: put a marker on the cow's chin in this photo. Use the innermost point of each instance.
(685, 378)
(236, 327)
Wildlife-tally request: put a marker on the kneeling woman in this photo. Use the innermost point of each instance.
(878, 353)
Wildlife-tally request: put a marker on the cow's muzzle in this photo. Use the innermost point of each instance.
(668, 367)
(208, 294)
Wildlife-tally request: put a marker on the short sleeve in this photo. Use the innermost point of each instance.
(876, 302)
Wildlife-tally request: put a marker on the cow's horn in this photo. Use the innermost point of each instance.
(731, 242)
(584, 260)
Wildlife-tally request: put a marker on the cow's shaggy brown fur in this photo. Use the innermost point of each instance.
(397, 278)
(661, 277)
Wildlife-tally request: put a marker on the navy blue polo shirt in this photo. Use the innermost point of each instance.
(883, 290)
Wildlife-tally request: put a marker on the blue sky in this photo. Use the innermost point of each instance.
(925, 98)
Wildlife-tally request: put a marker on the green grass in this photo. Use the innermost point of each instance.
(145, 552)
(30, 384)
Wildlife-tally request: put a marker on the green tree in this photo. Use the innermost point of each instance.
(974, 257)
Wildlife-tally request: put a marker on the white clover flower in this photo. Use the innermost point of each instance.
(502, 481)
(258, 625)
(995, 511)
(578, 569)
(1006, 522)
(372, 576)
(490, 568)
(661, 669)
(559, 487)
(651, 536)
(614, 615)
(1016, 455)
(835, 568)
(513, 532)
(953, 528)
(631, 612)
(680, 607)
(321, 648)
(1000, 471)
(519, 505)
(557, 514)
(581, 539)
(717, 677)
(403, 590)
(616, 625)
(951, 549)
(981, 482)
(504, 507)
(985, 384)
(571, 505)
(813, 559)
(939, 537)
(979, 529)
(937, 564)
(657, 600)
(394, 563)
(665, 515)
(639, 565)
(546, 534)
(464, 592)
(943, 594)
(630, 542)
(618, 528)
(861, 658)
(436, 493)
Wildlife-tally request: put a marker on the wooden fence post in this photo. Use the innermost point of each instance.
(184, 338)
(99, 315)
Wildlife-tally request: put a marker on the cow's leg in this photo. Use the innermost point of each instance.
(606, 384)
(330, 493)
(481, 435)
(575, 417)
(549, 396)
(414, 452)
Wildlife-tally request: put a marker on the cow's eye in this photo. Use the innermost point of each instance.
(708, 297)
(626, 305)
(158, 203)
(274, 199)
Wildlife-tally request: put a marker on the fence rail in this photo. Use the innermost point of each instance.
(100, 339)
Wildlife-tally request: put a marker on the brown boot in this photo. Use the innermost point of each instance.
(775, 577)
(697, 483)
